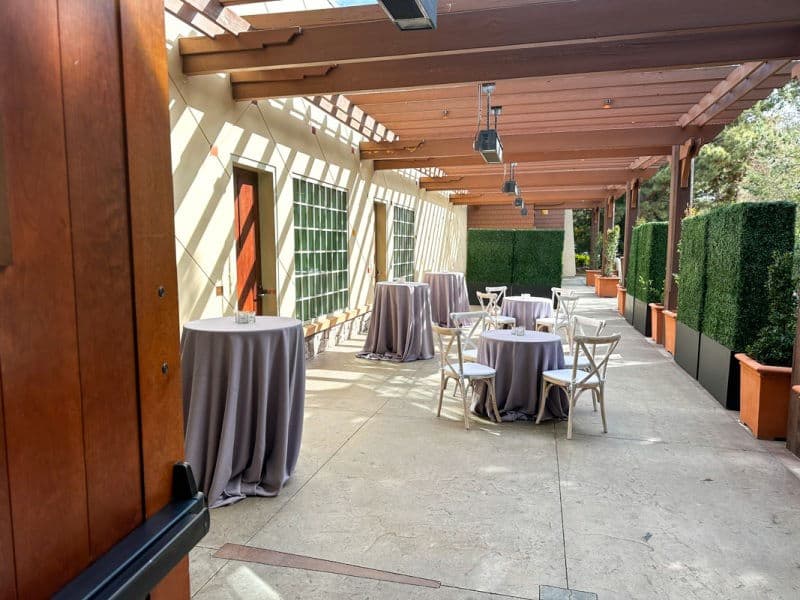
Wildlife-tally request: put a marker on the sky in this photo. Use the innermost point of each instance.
(354, 2)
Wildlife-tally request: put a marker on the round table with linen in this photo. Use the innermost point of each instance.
(400, 326)
(527, 309)
(448, 294)
(520, 362)
(243, 401)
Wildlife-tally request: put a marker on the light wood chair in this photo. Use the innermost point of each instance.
(565, 302)
(575, 381)
(582, 326)
(488, 302)
(465, 374)
(472, 324)
(500, 290)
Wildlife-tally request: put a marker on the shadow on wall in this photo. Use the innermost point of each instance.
(288, 138)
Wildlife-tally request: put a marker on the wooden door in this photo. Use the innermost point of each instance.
(381, 248)
(248, 248)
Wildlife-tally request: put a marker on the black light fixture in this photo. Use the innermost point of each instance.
(524, 211)
(510, 184)
(519, 202)
(411, 15)
(487, 141)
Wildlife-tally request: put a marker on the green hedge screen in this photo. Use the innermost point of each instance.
(651, 258)
(630, 276)
(692, 271)
(524, 260)
(742, 240)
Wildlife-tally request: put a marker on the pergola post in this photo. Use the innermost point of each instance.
(595, 225)
(793, 423)
(680, 191)
(631, 212)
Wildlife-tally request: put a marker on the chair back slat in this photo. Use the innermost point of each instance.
(598, 361)
(500, 290)
(471, 324)
(447, 336)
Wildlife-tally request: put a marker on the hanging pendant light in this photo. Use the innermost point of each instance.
(410, 15)
(510, 184)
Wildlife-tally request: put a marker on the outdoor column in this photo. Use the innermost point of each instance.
(793, 424)
(631, 211)
(593, 236)
(680, 187)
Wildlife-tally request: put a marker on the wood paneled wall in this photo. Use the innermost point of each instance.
(90, 424)
(508, 217)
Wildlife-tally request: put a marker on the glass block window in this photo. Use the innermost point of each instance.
(403, 239)
(320, 249)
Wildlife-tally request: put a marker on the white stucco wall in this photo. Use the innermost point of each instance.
(568, 257)
(211, 133)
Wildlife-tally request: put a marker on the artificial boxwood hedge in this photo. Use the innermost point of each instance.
(525, 260)
(692, 271)
(742, 241)
(647, 264)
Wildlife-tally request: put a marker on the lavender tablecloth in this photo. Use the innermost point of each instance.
(448, 294)
(519, 362)
(243, 400)
(400, 326)
(527, 309)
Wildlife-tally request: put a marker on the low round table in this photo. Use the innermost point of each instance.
(526, 309)
(400, 327)
(519, 362)
(448, 294)
(243, 400)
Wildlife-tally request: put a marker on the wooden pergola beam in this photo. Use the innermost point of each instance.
(223, 17)
(526, 180)
(577, 22)
(589, 142)
(474, 159)
(549, 198)
(674, 50)
(740, 82)
(193, 17)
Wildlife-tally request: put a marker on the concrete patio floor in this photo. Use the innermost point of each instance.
(676, 501)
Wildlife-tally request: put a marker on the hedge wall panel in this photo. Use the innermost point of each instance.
(537, 260)
(742, 240)
(692, 271)
(651, 258)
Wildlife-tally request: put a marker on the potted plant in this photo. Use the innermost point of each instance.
(621, 291)
(606, 284)
(766, 371)
(591, 274)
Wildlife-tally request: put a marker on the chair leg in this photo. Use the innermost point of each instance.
(602, 394)
(569, 416)
(594, 399)
(442, 386)
(542, 401)
(493, 395)
(464, 402)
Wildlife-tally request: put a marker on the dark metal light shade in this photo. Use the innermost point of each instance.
(510, 187)
(409, 15)
(518, 202)
(524, 212)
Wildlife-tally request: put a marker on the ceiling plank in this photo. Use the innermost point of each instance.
(525, 180)
(222, 16)
(579, 21)
(193, 17)
(680, 50)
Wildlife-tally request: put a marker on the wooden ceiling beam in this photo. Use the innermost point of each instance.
(525, 180)
(193, 17)
(222, 16)
(488, 198)
(587, 141)
(576, 22)
(474, 159)
(676, 50)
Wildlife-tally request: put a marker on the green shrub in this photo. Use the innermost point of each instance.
(630, 277)
(525, 259)
(582, 260)
(490, 258)
(538, 256)
(651, 258)
(742, 240)
(692, 273)
(612, 243)
(775, 342)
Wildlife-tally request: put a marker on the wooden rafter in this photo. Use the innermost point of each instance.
(210, 17)
(531, 180)
(193, 18)
(354, 117)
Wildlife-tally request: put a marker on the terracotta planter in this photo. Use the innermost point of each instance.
(590, 275)
(606, 287)
(764, 398)
(621, 300)
(670, 324)
(657, 321)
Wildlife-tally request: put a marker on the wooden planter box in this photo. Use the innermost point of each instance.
(621, 300)
(590, 275)
(606, 287)
(764, 398)
(657, 322)
(670, 325)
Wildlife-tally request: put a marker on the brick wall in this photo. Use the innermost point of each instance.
(508, 217)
